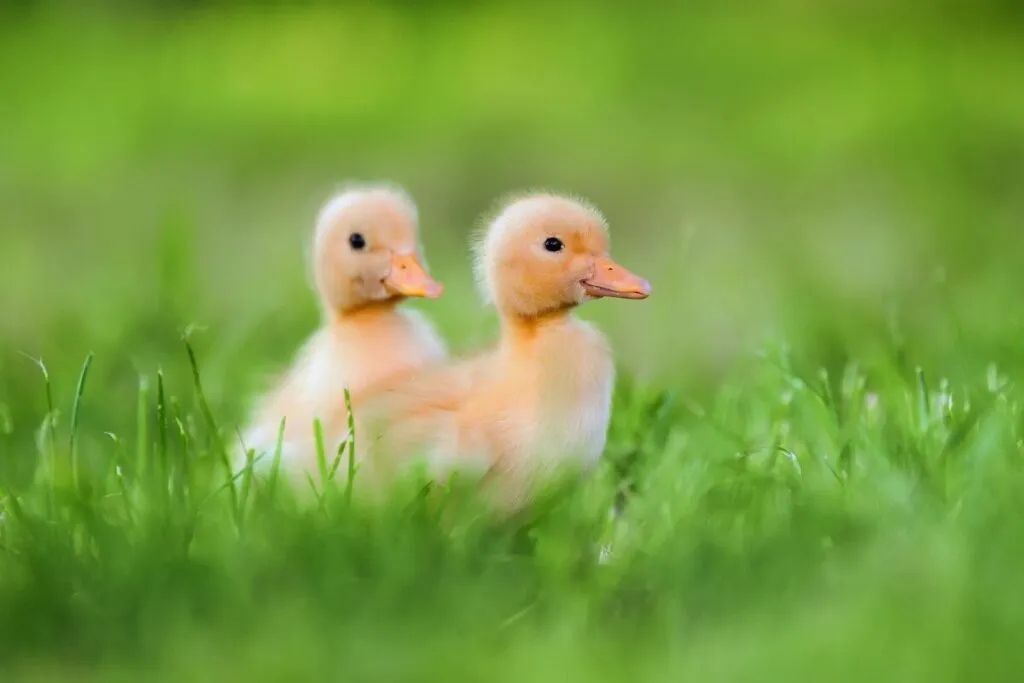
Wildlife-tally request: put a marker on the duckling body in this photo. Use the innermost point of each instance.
(365, 265)
(354, 353)
(539, 400)
(542, 397)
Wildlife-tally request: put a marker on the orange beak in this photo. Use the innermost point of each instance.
(408, 278)
(611, 279)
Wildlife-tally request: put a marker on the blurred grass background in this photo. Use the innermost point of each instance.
(842, 176)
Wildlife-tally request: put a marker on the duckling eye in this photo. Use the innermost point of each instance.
(553, 244)
(357, 241)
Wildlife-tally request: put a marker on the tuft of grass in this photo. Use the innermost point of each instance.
(778, 526)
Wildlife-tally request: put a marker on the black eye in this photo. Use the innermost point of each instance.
(553, 244)
(357, 241)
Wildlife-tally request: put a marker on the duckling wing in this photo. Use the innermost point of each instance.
(420, 418)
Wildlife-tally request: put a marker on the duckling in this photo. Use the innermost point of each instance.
(366, 259)
(541, 398)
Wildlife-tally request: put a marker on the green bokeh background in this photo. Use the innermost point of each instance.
(773, 164)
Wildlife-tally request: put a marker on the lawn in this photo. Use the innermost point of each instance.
(817, 446)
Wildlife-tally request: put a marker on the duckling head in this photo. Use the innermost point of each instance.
(366, 250)
(546, 253)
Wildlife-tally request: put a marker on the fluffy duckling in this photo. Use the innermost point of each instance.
(541, 397)
(366, 261)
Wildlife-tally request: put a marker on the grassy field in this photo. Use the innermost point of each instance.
(818, 431)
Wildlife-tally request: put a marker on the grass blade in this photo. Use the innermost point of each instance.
(922, 400)
(336, 463)
(51, 431)
(316, 491)
(351, 441)
(119, 477)
(247, 477)
(75, 411)
(161, 473)
(321, 452)
(181, 471)
(235, 476)
(142, 429)
(275, 466)
(204, 406)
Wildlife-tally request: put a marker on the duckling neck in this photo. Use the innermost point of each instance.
(554, 341)
(562, 370)
(367, 313)
(521, 332)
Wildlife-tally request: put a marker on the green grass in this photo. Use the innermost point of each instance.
(791, 524)
(817, 435)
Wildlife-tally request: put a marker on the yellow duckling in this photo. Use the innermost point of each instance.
(365, 263)
(542, 397)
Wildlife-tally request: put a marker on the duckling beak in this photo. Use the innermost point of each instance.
(408, 278)
(611, 279)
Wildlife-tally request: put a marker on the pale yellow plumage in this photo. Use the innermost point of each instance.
(541, 398)
(365, 262)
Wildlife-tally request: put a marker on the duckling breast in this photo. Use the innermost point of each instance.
(575, 397)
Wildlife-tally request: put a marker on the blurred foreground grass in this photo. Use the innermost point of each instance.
(837, 187)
